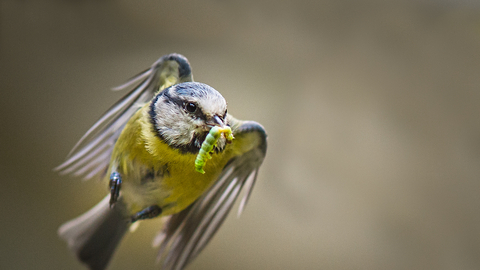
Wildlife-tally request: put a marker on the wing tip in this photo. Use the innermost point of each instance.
(252, 126)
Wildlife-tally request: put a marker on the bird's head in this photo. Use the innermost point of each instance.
(183, 114)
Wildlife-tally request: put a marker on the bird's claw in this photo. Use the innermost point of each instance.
(147, 213)
(115, 184)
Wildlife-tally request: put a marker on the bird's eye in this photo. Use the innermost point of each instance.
(190, 107)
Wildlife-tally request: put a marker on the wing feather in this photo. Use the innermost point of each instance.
(91, 154)
(249, 184)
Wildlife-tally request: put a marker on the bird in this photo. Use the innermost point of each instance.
(147, 149)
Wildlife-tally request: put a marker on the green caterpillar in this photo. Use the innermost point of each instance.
(208, 145)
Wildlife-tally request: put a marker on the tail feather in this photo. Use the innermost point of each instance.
(94, 235)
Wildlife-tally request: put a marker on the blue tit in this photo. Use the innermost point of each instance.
(146, 149)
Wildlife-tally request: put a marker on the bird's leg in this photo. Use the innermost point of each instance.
(147, 213)
(115, 184)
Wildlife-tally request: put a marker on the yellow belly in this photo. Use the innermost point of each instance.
(173, 190)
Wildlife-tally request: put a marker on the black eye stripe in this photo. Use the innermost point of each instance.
(182, 102)
(173, 99)
(199, 114)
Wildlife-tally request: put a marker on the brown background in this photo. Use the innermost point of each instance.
(372, 110)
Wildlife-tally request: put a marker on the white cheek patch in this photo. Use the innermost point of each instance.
(173, 124)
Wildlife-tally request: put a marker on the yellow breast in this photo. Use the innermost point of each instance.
(154, 173)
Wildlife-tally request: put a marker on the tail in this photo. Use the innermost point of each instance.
(94, 235)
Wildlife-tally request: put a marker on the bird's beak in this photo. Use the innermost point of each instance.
(215, 121)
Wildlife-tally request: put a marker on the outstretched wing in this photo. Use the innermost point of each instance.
(91, 155)
(185, 234)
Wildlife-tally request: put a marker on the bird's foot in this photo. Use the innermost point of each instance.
(115, 184)
(147, 213)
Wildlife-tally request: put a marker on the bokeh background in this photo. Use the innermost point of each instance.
(372, 110)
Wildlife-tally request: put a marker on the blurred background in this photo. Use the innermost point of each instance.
(371, 107)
